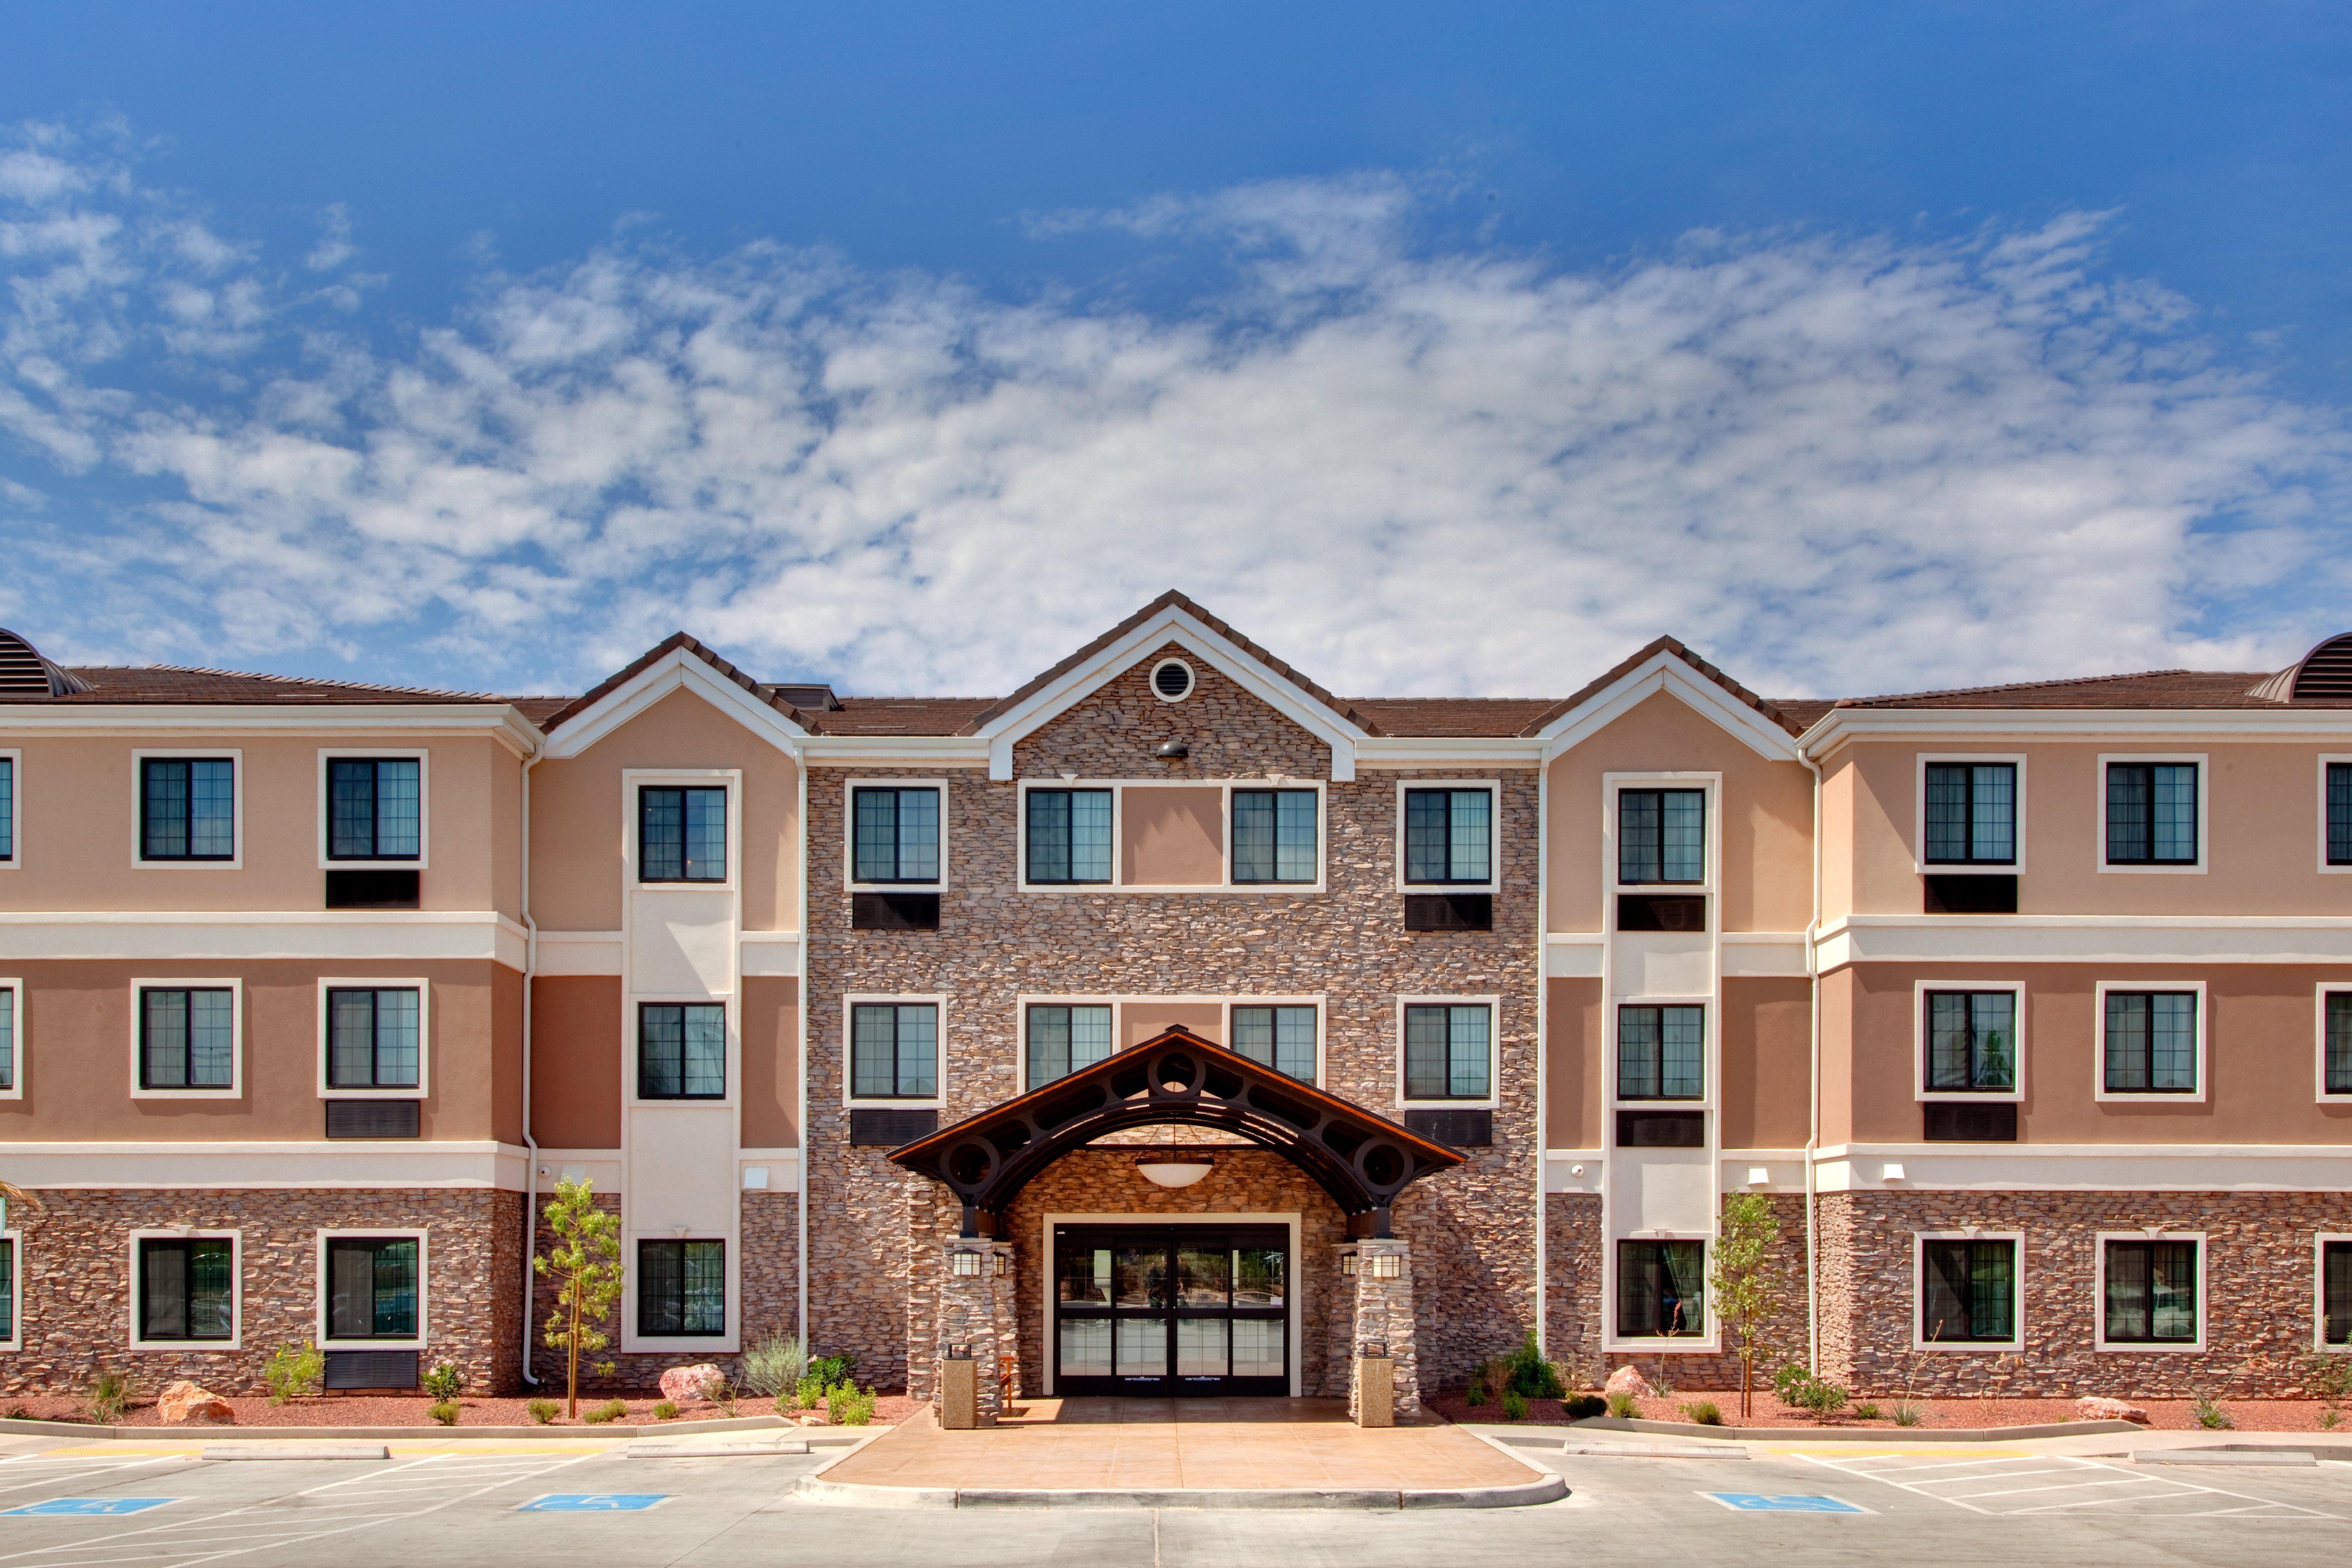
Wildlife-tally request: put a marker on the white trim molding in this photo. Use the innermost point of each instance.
(133, 1297)
(422, 1087)
(2087, 1167)
(341, 1166)
(2099, 1294)
(2087, 939)
(1666, 671)
(2015, 1344)
(680, 670)
(416, 1341)
(228, 936)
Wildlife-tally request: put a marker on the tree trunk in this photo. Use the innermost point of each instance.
(1746, 1379)
(572, 1376)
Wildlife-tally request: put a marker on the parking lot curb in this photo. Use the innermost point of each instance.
(819, 1436)
(815, 1489)
(1853, 1434)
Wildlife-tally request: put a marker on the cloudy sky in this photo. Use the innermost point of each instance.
(909, 349)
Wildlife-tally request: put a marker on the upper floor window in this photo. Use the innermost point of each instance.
(681, 1288)
(894, 1050)
(681, 834)
(375, 809)
(897, 834)
(2335, 1042)
(1448, 1052)
(1662, 836)
(2152, 814)
(7, 1044)
(1968, 1292)
(1449, 835)
(187, 1289)
(1061, 1039)
(2149, 1043)
(371, 1287)
(8, 808)
(1971, 813)
(1274, 835)
(2339, 814)
(1661, 1053)
(187, 1037)
(187, 808)
(1971, 1041)
(1069, 835)
(375, 1037)
(2150, 1289)
(1280, 1038)
(681, 1051)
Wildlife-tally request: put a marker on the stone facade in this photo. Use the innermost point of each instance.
(1382, 1316)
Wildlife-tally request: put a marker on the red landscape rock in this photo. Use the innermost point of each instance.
(2092, 1408)
(188, 1402)
(692, 1384)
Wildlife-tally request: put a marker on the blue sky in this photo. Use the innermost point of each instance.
(1444, 349)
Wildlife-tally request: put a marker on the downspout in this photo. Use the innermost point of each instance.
(1813, 1091)
(531, 1165)
(1543, 1054)
(800, 758)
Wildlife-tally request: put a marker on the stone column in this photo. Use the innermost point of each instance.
(976, 1311)
(1383, 1315)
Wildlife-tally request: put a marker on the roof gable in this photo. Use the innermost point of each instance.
(1665, 665)
(675, 663)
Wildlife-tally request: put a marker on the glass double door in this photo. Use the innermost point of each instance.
(1173, 1310)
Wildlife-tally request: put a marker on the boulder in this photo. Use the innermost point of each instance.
(2091, 1408)
(1627, 1380)
(188, 1402)
(692, 1384)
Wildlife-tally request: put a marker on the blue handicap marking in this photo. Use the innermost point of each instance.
(85, 1506)
(1757, 1502)
(593, 1502)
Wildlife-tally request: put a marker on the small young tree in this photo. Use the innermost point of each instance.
(1743, 1281)
(585, 1263)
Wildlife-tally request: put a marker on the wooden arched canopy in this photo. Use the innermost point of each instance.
(1361, 1159)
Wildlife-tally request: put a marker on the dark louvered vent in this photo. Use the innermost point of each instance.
(23, 672)
(2326, 672)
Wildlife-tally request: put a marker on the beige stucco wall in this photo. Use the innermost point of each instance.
(771, 1063)
(1139, 1020)
(1767, 1063)
(1575, 1113)
(1172, 838)
(576, 1061)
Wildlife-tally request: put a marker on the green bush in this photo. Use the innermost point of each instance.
(1530, 1374)
(775, 1365)
(109, 1395)
(2210, 1416)
(543, 1410)
(445, 1411)
(810, 1393)
(444, 1381)
(294, 1370)
(1865, 1412)
(829, 1370)
(1475, 1395)
(665, 1411)
(1706, 1412)
(1797, 1387)
(1514, 1405)
(846, 1405)
(1623, 1406)
(1585, 1406)
(610, 1410)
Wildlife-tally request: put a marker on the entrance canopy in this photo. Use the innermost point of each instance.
(1361, 1159)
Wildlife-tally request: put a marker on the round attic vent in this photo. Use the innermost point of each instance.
(1172, 680)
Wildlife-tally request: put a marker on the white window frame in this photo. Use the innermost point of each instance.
(2318, 1291)
(1923, 1094)
(2015, 1344)
(15, 859)
(1494, 882)
(2204, 812)
(236, 1239)
(423, 989)
(1709, 783)
(2325, 758)
(2318, 1038)
(633, 1004)
(1119, 1002)
(1710, 1342)
(235, 989)
(2099, 1039)
(1709, 1059)
(633, 780)
(849, 883)
(1926, 868)
(2099, 1294)
(371, 1233)
(423, 758)
(938, 1098)
(16, 1005)
(1226, 885)
(15, 1241)
(139, 759)
(1493, 1002)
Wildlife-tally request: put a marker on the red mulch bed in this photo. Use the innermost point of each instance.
(408, 1410)
(2164, 1415)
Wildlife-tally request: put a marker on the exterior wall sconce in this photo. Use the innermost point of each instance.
(1387, 1265)
(1172, 751)
(967, 1265)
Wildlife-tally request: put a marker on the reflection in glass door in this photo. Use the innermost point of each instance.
(1196, 1310)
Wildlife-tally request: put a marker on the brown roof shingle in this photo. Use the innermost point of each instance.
(2149, 690)
(174, 683)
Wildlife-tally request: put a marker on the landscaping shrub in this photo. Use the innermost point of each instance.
(1706, 1412)
(1514, 1405)
(610, 1410)
(1799, 1387)
(444, 1381)
(294, 1370)
(1623, 1406)
(1584, 1406)
(2210, 1416)
(775, 1366)
(1865, 1412)
(846, 1405)
(445, 1411)
(1530, 1374)
(1907, 1413)
(543, 1410)
(1475, 1395)
(109, 1395)
(665, 1411)
(829, 1370)
(809, 1394)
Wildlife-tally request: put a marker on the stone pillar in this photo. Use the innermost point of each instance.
(1383, 1315)
(976, 1311)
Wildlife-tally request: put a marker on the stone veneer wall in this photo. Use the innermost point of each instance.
(77, 1278)
(1473, 1229)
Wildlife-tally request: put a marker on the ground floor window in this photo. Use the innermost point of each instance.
(8, 1288)
(1659, 1288)
(2336, 1291)
(1968, 1292)
(2151, 1292)
(371, 1287)
(681, 1288)
(187, 1289)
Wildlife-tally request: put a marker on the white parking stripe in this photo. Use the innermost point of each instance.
(2164, 1496)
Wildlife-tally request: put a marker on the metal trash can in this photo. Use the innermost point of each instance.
(958, 1389)
(1375, 1386)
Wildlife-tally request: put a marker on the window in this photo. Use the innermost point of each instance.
(2151, 1042)
(1659, 1288)
(681, 1051)
(1274, 835)
(371, 1287)
(187, 808)
(681, 1288)
(1449, 835)
(375, 808)
(1280, 1038)
(681, 835)
(7, 1044)
(374, 1038)
(1063, 1039)
(2337, 1048)
(1662, 836)
(1661, 1053)
(187, 1039)
(1446, 1052)
(1971, 813)
(2151, 1292)
(2152, 814)
(1971, 1042)
(898, 836)
(7, 1289)
(8, 808)
(2339, 814)
(187, 1289)
(2335, 1292)
(1069, 835)
(894, 1050)
(1967, 1292)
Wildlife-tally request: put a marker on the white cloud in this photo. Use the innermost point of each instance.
(1832, 464)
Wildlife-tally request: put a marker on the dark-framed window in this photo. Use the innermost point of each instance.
(8, 808)
(894, 1050)
(1661, 1289)
(187, 1287)
(187, 808)
(681, 1051)
(1968, 1292)
(1280, 1038)
(375, 1037)
(1971, 813)
(681, 1288)
(681, 834)
(897, 834)
(1273, 835)
(1971, 1042)
(187, 1037)
(2152, 814)
(2336, 1066)
(8, 1288)
(375, 809)
(2336, 1292)
(1448, 1051)
(1449, 837)
(2151, 1292)
(1063, 1038)
(2150, 1044)
(371, 1287)
(1662, 836)
(1661, 1053)
(2339, 814)
(7, 1043)
(1069, 835)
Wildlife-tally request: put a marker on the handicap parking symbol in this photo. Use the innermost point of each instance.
(593, 1502)
(85, 1506)
(1757, 1502)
